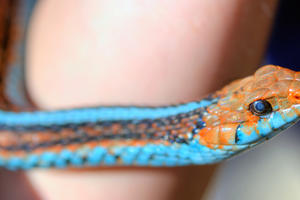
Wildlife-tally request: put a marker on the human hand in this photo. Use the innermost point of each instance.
(144, 53)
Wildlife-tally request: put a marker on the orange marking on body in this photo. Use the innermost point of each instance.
(89, 130)
(8, 139)
(142, 126)
(115, 128)
(71, 147)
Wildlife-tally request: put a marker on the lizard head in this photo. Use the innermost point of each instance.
(253, 109)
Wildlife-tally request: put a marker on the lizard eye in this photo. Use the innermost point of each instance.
(260, 107)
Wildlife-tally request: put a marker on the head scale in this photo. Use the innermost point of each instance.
(253, 109)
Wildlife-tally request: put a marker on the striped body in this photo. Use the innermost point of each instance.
(239, 116)
(108, 136)
(202, 132)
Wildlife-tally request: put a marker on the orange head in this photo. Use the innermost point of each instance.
(254, 108)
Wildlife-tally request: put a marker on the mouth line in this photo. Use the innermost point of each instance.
(274, 132)
(265, 138)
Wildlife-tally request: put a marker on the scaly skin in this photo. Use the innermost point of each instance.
(203, 132)
(280, 86)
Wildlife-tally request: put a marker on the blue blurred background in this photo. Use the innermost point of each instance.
(270, 171)
(284, 47)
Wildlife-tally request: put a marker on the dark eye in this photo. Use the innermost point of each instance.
(260, 107)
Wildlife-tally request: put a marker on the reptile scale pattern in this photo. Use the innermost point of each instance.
(203, 132)
(238, 117)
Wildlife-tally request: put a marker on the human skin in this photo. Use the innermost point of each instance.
(138, 52)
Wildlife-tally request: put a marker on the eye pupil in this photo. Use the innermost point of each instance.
(260, 107)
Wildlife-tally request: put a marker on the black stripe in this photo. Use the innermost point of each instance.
(80, 136)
